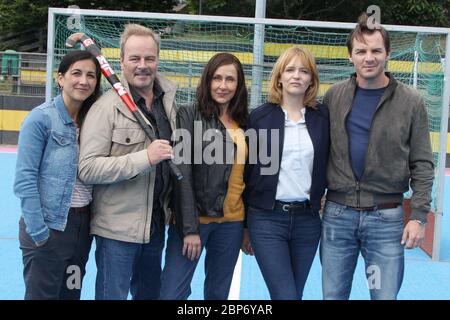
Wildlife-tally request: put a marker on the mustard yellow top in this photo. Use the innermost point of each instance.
(233, 206)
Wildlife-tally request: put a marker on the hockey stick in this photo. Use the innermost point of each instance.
(112, 78)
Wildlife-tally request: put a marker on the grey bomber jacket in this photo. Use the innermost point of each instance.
(398, 155)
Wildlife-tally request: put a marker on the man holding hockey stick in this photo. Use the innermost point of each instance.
(131, 179)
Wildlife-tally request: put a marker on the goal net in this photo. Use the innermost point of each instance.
(188, 42)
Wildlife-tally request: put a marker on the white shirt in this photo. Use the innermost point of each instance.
(82, 193)
(294, 180)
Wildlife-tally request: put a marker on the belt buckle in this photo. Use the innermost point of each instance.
(285, 207)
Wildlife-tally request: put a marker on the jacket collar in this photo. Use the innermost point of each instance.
(62, 110)
(387, 93)
(280, 115)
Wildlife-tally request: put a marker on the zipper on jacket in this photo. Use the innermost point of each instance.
(357, 187)
(358, 194)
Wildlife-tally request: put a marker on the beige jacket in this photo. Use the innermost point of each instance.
(113, 157)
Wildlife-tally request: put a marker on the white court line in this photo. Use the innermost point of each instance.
(235, 289)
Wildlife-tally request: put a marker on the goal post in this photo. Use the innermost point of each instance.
(419, 58)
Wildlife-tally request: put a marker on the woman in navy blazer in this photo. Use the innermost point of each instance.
(283, 196)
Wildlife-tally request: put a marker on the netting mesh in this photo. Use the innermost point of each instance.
(416, 58)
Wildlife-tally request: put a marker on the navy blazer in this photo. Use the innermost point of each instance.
(260, 190)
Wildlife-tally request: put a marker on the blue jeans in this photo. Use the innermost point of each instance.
(222, 242)
(284, 243)
(377, 235)
(125, 266)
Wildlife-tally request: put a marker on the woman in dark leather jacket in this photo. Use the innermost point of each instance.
(283, 206)
(208, 205)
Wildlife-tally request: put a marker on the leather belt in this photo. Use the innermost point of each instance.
(81, 210)
(377, 207)
(286, 206)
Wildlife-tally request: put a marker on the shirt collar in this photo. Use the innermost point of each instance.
(290, 122)
(138, 99)
(158, 92)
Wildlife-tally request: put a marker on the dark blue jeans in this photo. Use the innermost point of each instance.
(376, 235)
(222, 242)
(125, 266)
(56, 270)
(284, 243)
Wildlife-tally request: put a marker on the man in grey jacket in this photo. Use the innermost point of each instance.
(131, 180)
(380, 146)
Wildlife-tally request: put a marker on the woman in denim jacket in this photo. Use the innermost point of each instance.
(54, 227)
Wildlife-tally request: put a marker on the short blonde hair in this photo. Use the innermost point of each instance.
(275, 91)
(132, 29)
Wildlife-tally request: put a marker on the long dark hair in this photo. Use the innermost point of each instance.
(67, 61)
(237, 109)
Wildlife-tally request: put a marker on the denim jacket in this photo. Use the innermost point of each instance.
(46, 168)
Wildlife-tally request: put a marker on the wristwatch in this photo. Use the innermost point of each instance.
(420, 222)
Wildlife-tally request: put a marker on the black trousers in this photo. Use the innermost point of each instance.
(56, 270)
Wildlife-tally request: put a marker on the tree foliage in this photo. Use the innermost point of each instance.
(16, 15)
(239, 8)
(19, 15)
(407, 12)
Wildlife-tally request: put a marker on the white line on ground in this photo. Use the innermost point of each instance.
(235, 289)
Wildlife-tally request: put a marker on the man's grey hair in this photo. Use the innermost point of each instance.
(137, 30)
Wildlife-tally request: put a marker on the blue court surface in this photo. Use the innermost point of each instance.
(424, 279)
